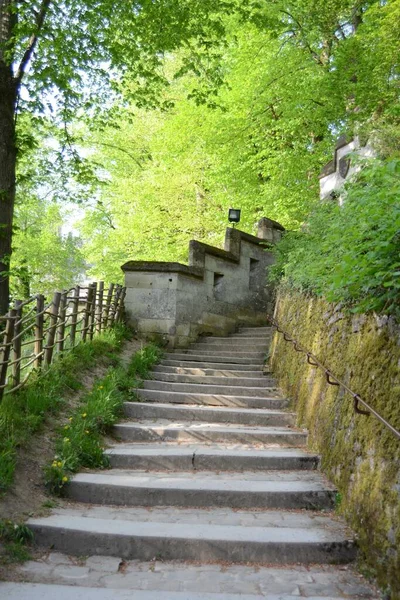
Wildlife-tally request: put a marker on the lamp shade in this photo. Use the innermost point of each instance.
(234, 215)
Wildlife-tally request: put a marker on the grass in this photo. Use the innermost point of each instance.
(23, 413)
(80, 441)
(13, 538)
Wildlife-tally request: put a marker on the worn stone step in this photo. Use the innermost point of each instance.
(308, 543)
(183, 355)
(249, 489)
(40, 591)
(158, 457)
(306, 581)
(234, 338)
(211, 399)
(188, 363)
(151, 431)
(242, 381)
(232, 343)
(162, 368)
(255, 330)
(200, 350)
(251, 336)
(218, 349)
(203, 388)
(205, 414)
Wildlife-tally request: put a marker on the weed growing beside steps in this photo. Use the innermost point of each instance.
(22, 413)
(13, 540)
(80, 442)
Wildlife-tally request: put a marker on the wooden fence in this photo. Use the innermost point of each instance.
(34, 331)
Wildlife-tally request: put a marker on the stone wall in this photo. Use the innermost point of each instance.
(218, 290)
(358, 453)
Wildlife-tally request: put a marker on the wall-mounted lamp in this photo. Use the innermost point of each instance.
(234, 215)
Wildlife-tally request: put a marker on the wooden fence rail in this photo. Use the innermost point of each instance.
(33, 331)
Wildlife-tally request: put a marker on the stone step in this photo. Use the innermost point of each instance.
(308, 541)
(211, 365)
(205, 414)
(240, 349)
(251, 336)
(234, 341)
(239, 342)
(256, 330)
(326, 582)
(40, 591)
(203, 388)
(206, 433)
(216, 458)
(242, 381)
(162, 368)
(181, 355)
(200, 350)
(248, 490)
(211, 399)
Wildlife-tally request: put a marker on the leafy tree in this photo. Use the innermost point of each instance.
(44, 258)
(59, 58)
(174, 173)
(303, 74)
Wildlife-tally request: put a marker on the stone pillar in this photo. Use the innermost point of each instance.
(269, 230)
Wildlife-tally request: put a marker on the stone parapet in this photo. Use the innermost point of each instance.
(217, 291)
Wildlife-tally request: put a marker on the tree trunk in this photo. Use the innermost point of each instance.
(8, 155)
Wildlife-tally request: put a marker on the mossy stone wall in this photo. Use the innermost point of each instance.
(358, 454)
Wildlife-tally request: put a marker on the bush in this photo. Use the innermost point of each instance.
(350, 253)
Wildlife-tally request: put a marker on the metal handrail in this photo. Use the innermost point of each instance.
(332, 379)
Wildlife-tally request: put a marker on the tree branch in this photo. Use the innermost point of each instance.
(303, 38)
(33, 40)
(139, 164)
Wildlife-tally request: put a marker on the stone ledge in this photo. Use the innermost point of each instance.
(163, 267)
(197, 251)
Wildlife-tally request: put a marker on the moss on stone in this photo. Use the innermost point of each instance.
(358, 453)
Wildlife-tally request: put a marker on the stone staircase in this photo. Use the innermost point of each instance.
(212, 494)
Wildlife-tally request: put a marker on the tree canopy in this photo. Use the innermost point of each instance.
(160, 115)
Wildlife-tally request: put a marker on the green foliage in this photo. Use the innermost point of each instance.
(233, 103)
(294, 77)
(350, 253)
(80, 442)
(22, 413)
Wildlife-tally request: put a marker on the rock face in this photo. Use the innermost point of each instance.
(212, 495)
(215, 292)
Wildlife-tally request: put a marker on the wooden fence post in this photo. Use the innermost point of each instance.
(61, 327)
(7, 340)
(16, 368)
(120, 312)
(114, 305)
(108, 304)
(74, 315)
(39, 321)
(52, 328)
(93, 311)
(87, 313)
(99, 311)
